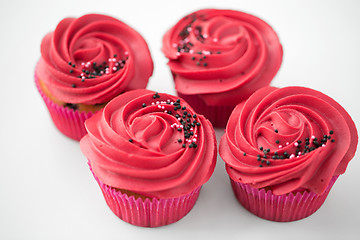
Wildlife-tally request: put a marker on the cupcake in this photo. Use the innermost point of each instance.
(150, 154)
(86, 62)
(284, 148)
(218, 58)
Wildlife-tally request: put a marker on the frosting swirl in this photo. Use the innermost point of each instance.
(149, 143)
(222, 55)
(92, 59)
(288, 139)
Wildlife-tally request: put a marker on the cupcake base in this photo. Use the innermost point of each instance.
(147, 212)
(279, 208)
(68, 121)
(217, 115)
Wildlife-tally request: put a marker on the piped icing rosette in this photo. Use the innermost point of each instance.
(288, 139)
(222, 55)
(92, 59)
(151, 144)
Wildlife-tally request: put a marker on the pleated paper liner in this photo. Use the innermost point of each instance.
(68, 121)
(279, 208)
(217, 115)
(147, 212)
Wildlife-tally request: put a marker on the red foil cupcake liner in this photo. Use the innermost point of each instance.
(70, 122)
(149, 212)
(279, 208)
(217, 115)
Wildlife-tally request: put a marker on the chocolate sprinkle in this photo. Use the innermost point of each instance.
(71, 106)
(310, 145)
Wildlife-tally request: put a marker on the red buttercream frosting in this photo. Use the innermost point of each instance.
(92, 59)
(143, 142)
(288, 139)
(223, 56)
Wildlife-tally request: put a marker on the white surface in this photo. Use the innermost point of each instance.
(46, 188)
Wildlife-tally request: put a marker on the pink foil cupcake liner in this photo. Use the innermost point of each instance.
(70, 122)
(149, 212)
(217, 115)
(279, 208)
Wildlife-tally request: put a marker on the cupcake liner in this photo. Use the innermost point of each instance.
(149, 212)
(217, 115)
(279, 208)
(70, 122)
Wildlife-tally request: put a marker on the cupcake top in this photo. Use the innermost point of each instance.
(222, 55)
(92, 59)
(288, 139)
(149, 143)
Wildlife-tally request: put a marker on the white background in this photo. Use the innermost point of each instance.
(46, 188)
